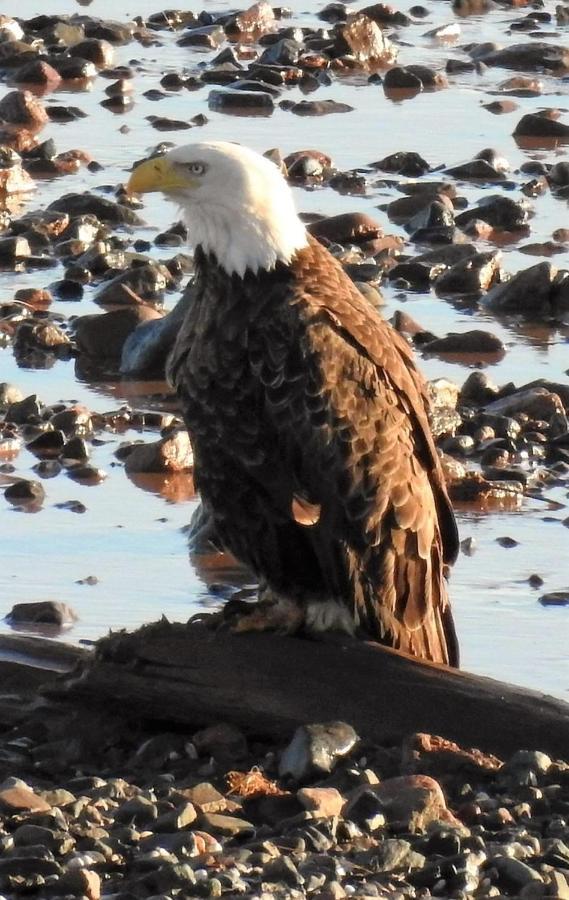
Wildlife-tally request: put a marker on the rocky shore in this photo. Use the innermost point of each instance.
(92, 807)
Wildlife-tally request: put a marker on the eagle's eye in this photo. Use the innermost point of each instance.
(195, 168)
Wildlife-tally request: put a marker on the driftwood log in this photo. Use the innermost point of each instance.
(190, 676)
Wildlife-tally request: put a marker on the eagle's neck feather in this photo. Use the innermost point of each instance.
(246, 240)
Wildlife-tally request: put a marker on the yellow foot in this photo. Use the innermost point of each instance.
(271, 613)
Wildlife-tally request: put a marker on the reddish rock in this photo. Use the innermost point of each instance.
(412, 802)
(347, 228)
(19, 799)
(171, 454)
(38, 72)
(38, 297)
(17, 139)
(435, 755)
(80, 883)
(367, 42)
(22, 108)
(257, 19)
(15, 180)
(321, 802)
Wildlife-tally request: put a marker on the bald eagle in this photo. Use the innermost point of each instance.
(307, 416)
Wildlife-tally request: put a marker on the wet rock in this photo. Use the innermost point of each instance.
(544, 124)
(103, 209)
(21, 108)
(148, 344)
(409, 164)
(366, 41)
(476, 170)
(104, 336)
(38, 72)
(257, 19)
(171, 454)
(47, 445)
(555, 598)
(316, 748)
(500, 107)
(14, 180)
(528, 56)
(137, 284)
(521, 86)
(319, 107)
(25, 493)
(231, 101)
(307, 165)
(96, 50)
(48, 612)
(528, 293)
(471, 276)
(414, 77)
(13, 249)
(285, 52)
(347, 228)
(207, 36)
(498, 211)
(475, 341)
(537, 403)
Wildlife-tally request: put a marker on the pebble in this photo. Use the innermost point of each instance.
(316, 747)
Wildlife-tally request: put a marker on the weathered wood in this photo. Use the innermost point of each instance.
(266, 684)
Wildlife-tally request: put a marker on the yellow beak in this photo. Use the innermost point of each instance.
(157, 174)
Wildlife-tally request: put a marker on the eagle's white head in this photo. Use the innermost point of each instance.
(236, 203)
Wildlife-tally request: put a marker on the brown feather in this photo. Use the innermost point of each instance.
(294, 387)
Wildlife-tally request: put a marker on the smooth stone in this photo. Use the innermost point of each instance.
(316, 748)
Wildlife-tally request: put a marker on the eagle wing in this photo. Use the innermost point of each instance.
(357, 466)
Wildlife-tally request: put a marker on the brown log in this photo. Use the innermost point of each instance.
(266, 684)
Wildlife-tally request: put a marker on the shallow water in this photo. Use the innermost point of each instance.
(131, 537)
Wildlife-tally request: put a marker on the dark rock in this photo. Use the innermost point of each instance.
(527, 293)
(23, 493)
(555, 598)
(38, 72)
(542, 125)
(319, 107)
(44, 612)
(498, 211)
(399, 78)
(104, 336)
(147, 283)
(475, 341)
(96, 50)
(409, 164)
(208, 36)
(534, 55)
(106, 210)
(238, 101)
(285, 52)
